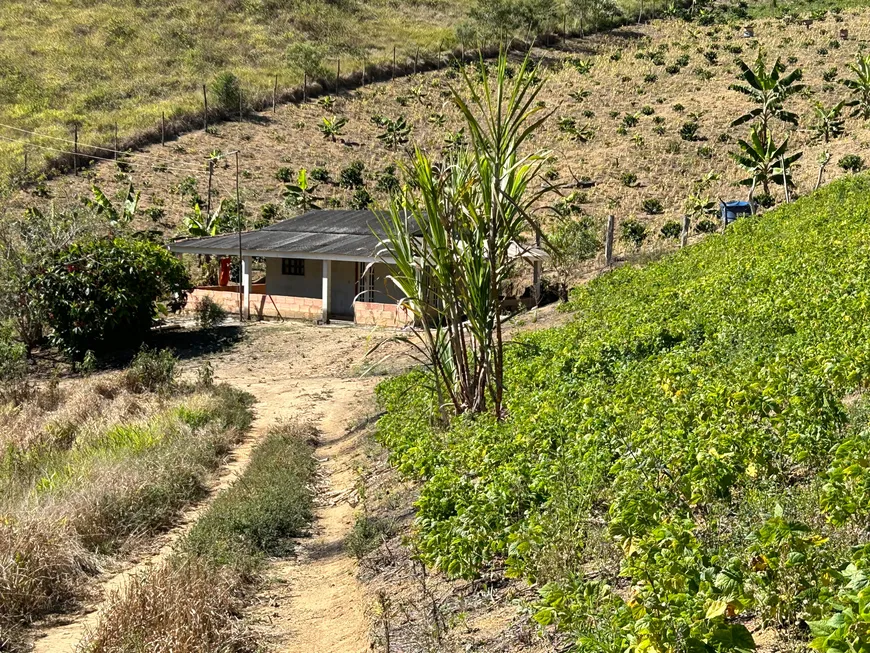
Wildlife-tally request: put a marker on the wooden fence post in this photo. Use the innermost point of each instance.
(25, 163)
(338, 74)
(241, 111)
(305, 87)
(163, 129)
(416, 58)
(393, 76)
(76, 149)
(364, 72)
(684, 234)
(115, 153)
(204, 109)
(608, 241)
(275, 94)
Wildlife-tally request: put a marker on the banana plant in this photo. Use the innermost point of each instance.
(201, 224)
(333, 127)
(117, 215)
(396, 132)
(768, 90)
(860, 87)
(765, 161)
(829, 122)
(301, 195)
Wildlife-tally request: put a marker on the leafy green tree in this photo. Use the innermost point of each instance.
(570, 244)
(300, 195)
(117, 216)
(494, 20)
(104, 293)
(860, 87)
(829, 123)
(765, 161)
(308, 58)
(333, 127)
(768, 89)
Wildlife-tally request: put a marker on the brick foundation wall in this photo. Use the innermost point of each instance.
(297, 308)
(382, 315)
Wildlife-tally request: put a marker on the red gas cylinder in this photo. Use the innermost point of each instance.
(224, 274)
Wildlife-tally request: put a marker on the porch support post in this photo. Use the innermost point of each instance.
(327, 279)
(246, 287)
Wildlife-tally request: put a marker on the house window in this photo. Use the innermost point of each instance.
(293, 266)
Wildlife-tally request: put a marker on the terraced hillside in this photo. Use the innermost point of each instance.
(621, 102)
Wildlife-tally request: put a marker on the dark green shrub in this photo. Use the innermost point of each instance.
(765, 200)
(388, 181)
(104, 293)
(672, 69)
(208, 313)
(319, 174)
(652, 206)
(366, 535)
(285, 175)
(689, 131)
(706, 226)
(352, 175)
(851, 163)
(647, 110)
(629, 120)
(671, 230)
(633, 233)
(628, 179)
(361, 200)
(650, 78)
(151, 371)
(679, 108)
(705, 152)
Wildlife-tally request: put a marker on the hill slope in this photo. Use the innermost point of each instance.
(687, 460)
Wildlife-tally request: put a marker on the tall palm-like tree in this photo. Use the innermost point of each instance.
(450, 243)
(765, 161)
(860, 87)
(768, 89)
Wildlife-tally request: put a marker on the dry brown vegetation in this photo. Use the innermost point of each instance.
(618, 84)
(91, 468)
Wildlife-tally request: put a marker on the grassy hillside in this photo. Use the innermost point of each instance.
(621, 85)
(684, 466)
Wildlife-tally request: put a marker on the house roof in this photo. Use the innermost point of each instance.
(333, 234)
(339, 235)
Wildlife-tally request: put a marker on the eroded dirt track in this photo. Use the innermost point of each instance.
(296, 371)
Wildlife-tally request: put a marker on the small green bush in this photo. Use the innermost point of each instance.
(151, 371)
(285, 175)
(706, 226)
(671, 230)
(352, 175)
(633, 232)
(319, 174)
(227, 91)
(208, 313)
(851, 163)
(628, 179)
(689, 131)
(652, 206)
(367, 534)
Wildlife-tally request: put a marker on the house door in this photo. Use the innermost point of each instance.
(343, 289)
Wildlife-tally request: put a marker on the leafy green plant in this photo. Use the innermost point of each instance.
(396, 132)
(117, 216)
(829, 123)
(227, 91)
(628, 179)
(332, 128)
(689, 131)
(284, 174)
(633, 232)
(105, 293)
(202, 224)
(851, 163)
(301, 195)
(768, 89)
(671, 230)
(208, 313)
(652, 206)
(766, 161)
(151, 371)
(859, 86)
(352, 175)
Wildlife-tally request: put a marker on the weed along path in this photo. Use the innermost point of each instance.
(312, 602)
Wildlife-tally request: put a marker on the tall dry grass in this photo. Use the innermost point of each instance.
(191, 603)
(90, 474)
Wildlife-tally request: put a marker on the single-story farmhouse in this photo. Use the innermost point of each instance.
(321, 265)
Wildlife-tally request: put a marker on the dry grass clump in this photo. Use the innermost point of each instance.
(189, 603)
(99, 470)
(182, 606)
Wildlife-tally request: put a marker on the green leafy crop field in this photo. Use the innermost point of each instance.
(684, 467)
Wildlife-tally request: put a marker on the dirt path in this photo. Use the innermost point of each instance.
(294, 371)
